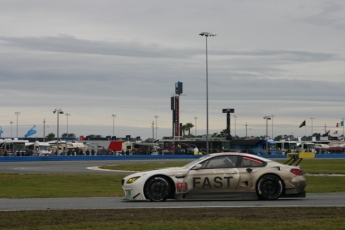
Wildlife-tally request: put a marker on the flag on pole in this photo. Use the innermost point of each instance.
(326, 133)
(342, 123)
(303, 124)
(1, 131)
(336, 132)
(337, 125)
(31, 132)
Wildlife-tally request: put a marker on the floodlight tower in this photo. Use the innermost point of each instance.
(57, 111)
(67, 115)
(207, 34)
(11, 128)
(113, 115)
(156, 125)
(266, 137)
(195, 118)
(17, 113)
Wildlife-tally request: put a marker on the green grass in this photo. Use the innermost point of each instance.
(325, 184)
(59, 185)
(216, 224)
(328, 166)
(203, 218)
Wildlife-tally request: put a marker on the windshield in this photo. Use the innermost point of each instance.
(293, 145)
(195, 161)
(45, 148)
(311, 146)
(18, 146)
(290, 145)
(272, 146)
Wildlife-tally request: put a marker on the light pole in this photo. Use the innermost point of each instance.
(235, 126)
(246, 131)
(113, 115)
(156, 126)
(207, 34)
(57, 111)
(266, 138)
(11, 127)
(67, 115)
(17, 113)
(44, 130)
(272, 126)
(195, 118)
(312, 118)
(153, 131)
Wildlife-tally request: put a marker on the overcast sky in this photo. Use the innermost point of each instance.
(93, 59)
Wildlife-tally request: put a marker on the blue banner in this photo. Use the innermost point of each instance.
(31, 132)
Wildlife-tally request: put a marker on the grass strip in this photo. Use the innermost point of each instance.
(206, 218)
(62, 185)
(59, 185)
(323, 166)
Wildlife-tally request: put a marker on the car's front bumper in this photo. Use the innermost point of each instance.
(133, 193)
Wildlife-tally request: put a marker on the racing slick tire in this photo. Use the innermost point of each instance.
(157, 189)
(269, 187)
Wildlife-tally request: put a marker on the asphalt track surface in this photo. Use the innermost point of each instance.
(74, 167)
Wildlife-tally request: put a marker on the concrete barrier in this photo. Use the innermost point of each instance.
(133, 157)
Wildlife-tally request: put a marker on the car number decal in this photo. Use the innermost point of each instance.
(181, 187)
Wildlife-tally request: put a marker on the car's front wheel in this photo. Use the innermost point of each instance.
(269, 187)
(157, 189)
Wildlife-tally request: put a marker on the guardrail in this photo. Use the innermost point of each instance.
(132, 157)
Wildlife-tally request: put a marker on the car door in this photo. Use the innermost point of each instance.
(214, 175)
(248, 167)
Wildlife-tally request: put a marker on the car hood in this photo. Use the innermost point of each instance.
(166, 171)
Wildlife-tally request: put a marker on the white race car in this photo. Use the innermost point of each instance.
(218, 176)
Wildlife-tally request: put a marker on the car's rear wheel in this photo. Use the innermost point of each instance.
(157, 189)
(269, 187)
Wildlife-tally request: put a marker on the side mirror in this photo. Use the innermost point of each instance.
(198, 166)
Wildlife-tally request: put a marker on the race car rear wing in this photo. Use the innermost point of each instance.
(296, 158)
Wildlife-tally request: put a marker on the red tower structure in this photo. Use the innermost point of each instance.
(175, 107)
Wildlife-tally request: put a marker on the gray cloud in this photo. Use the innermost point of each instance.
(70, 44)
(329, 13)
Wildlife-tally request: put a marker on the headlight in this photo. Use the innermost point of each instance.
(131, 180)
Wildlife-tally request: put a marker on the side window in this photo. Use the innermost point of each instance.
(220, 162)
(252, 162)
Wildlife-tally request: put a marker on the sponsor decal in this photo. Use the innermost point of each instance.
(181, 187)
(218, 182)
